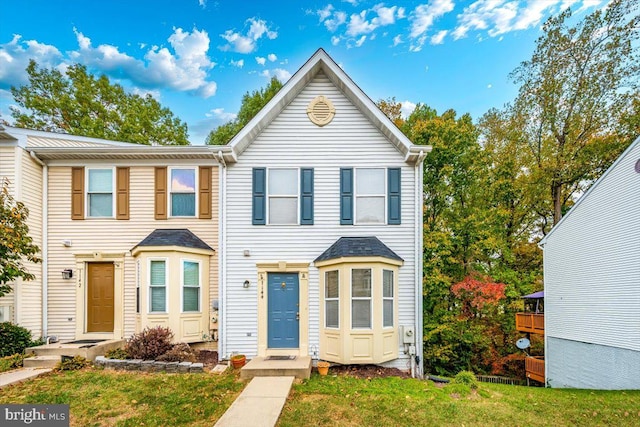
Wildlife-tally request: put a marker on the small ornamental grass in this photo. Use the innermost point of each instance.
(150, 344)
(73, 363)
(117, 353)
(467, 378)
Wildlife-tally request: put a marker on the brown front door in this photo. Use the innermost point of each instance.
(100, 297)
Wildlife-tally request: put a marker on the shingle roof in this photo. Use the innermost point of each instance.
(358, 247)
(174, 237)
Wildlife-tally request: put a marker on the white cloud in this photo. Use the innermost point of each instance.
(422, 19)
(202, 3)
(239, 63)
(155, 94)
(237, 42)
(338, 19)
(489, 86)
(438, 38)
(406, 108)
(220, 114)
(279, 73)
(325, 12)
(272, 57)
(15, 55)
(359, 25)
(397, 40)
(360, 41)
(386, 15)
(351, 2)
(260, 60)
(335, 40)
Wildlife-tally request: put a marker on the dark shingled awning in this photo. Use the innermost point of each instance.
(174, 237)
(358, 247)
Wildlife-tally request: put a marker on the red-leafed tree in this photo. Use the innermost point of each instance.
(477, 294)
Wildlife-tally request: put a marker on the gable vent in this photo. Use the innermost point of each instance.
(321, 111)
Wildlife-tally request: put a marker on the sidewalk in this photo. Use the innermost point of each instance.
(19, 375)
(259, 404)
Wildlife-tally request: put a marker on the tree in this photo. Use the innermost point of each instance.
(252, 103)
(573, 92)
(78, 103)
(15, 243)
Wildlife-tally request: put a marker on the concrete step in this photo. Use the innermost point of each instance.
(50, 361)
(88, 351)
(300, 367)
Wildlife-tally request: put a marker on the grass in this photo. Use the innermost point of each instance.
(114, 398)
(345, 401)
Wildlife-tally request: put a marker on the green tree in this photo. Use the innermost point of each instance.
(573, 93)
(252, 103)
(15, 243)
(78, 103)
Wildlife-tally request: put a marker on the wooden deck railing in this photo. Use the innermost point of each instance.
(530, 322)
(534, 367)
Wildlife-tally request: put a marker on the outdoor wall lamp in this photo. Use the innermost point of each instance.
(245, 284)
(67, 274)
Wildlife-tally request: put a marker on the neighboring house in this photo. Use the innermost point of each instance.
(322, 228)
(129, 241)
(592, 284)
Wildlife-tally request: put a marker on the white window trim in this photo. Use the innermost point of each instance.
(370, 299)
(392, 298)
(268, 196)
(331, 299)
(87, 208)
(196, 177)
(182, 261)
(166, 285)
(356, 196)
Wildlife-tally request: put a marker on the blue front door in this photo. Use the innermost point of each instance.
(283, 310)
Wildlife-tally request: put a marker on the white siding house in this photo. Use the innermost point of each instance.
(592, 284)
(285, 198)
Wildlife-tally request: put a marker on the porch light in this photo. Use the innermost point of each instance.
(67, 274)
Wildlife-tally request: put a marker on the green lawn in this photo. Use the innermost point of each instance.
(108, 398)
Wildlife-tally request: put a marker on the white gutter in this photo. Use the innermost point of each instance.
(45, 244)
(418, 263)
(222, 253)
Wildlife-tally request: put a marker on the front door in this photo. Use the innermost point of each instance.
(100, 289)
(283, 310)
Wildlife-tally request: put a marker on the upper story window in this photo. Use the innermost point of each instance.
(100, 183)
(283, 196)
(370, 196)
(182, 187)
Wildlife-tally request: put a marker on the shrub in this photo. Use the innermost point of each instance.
(150, 343)
(11, 362)
(467, 378)
(117, 353)
(73, 363)
(13, 339)
(180, 352)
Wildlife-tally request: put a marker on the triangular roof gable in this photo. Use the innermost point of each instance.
(625, 153)
(322, 61)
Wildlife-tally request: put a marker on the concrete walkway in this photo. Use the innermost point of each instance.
(259, 404)
(19, 375)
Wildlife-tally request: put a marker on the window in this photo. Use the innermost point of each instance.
(361, 298)
(182, 187)
(157, 286)
(331, 299)
(387, 298)
(283, 196)
(370, 196)
(100, 193)
(190, 286)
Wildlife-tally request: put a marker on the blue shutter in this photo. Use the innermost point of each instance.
(306, 196)
(259, 196)
(393, 196)
(346, 196)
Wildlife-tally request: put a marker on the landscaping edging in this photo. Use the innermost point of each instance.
(148, 365)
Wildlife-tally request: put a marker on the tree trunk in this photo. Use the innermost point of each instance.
(556, 194)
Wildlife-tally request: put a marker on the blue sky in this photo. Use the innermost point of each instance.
(198, 57)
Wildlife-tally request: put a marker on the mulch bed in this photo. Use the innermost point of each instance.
(208, 357)
(368, 371)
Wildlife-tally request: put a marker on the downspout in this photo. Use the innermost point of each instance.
(45, 244)
(222, 254)
(419, 336)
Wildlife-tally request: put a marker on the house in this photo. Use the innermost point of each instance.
(305, 231)
(592, 284)
(321, 237)
(128, 236)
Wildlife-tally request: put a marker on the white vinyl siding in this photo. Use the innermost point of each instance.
(158, 292)
(100, 183)
(282, 196)
(592, 263)
(291, 140)
(190, 286)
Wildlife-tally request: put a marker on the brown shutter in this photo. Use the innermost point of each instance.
(204, 189)
(77, 193)
(122, 194)
(161, 193)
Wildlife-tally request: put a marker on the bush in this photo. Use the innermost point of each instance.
(73, 363)
(13, 339)
(150, 343)
(467, 378)
(8, 363)
(180, 352)
(117, 353)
